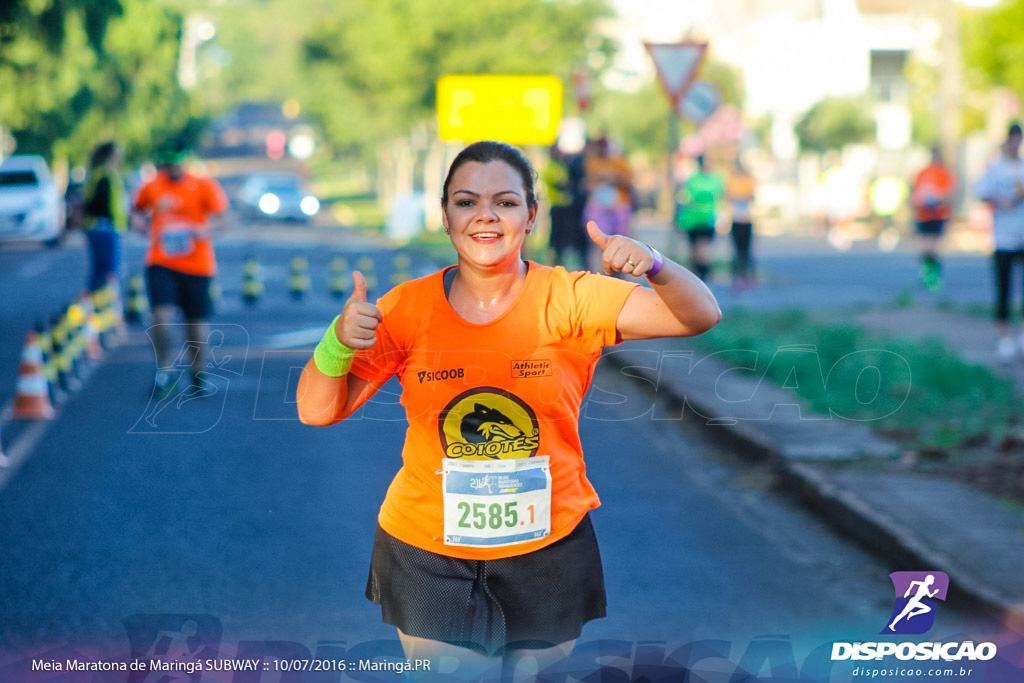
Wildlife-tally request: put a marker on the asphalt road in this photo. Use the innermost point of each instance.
(224, 519)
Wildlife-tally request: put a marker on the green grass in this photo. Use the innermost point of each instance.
(915, 392)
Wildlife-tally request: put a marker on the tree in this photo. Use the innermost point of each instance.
(993, 46)
(46, 22)
(87, 70)
(833, 123)
(372, 65)
(638, 119)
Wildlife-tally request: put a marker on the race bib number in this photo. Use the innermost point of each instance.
(177, 240)
(490, 503)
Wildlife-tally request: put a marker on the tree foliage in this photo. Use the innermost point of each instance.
(84, 71)
(993, 46)
(372, 65)
(639, 119)
(833, 123)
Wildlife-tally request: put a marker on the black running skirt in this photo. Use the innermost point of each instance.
(532, 601)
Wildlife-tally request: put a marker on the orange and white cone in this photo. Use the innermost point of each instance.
(90, 327)
(32, 396)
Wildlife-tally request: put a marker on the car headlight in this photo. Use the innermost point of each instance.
(269, 203)
(309, 205)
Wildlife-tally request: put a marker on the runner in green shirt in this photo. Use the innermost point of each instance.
(697, 204)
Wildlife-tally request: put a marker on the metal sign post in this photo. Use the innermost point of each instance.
(676, 65)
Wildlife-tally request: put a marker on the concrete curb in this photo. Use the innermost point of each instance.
(820, 441)
(885, 536)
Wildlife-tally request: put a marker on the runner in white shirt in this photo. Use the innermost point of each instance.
(1002, 188)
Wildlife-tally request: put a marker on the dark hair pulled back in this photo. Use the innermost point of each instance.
(486, 151)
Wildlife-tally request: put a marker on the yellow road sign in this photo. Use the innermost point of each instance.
(520, 110)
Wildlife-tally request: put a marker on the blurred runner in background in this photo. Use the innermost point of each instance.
(739, 190)
(180, 263)
(563, 178)
(932, 199)
(609, 184)
(1002, 187)
(697, 204)
(105, 214)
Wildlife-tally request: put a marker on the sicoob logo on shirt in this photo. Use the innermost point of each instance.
(488, 423)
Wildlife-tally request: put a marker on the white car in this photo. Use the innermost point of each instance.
(277, 196)
(31, 207)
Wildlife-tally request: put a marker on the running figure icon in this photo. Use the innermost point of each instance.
(915, 606)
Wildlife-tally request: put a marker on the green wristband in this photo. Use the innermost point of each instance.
(331, 357)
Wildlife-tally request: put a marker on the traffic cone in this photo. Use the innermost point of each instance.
(137, 303)
(99, 300)
(49, 363)
(298, 280)
(75, 348)
(339, 276)
(367, 267)
(32, 396)
(252, 286)
(400, 269)
(106, 304)
(90, 328)
(66, 379)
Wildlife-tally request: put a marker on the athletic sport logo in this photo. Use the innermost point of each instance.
(488, 423)
(913, 610)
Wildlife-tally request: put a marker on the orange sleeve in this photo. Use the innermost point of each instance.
(216, 201)
(598, 299)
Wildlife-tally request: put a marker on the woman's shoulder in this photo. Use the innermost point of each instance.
(558, 279)
(551, 276)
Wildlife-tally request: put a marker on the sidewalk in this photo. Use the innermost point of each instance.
(915, 521)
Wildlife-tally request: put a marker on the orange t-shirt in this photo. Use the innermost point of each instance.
(931, 193)
(179, 238)
(512, 387)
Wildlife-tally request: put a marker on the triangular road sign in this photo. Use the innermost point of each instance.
(676, 64)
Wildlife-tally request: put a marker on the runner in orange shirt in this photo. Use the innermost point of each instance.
(484, 548)
(180, 262)
(932, 198)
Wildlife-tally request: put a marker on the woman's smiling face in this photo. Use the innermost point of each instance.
(487, 213)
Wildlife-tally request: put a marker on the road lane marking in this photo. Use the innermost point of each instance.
(291, 340)
(18, 451)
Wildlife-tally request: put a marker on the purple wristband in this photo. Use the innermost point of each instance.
(659, 261)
